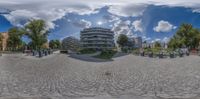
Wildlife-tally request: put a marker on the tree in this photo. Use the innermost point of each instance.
(122, 40)
(186, 36)
(37, 31)
(54, 44)
(157, 44)
(14, 38)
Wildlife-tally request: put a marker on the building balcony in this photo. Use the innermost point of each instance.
(96, 43)
(96, 36)
(97, 47)
(97, 39)
(96, 33)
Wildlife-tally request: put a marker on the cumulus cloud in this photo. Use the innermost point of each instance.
(82, 23)
(127, 10)
(166, 39)
(164, 26)
(122, 27)
(110, 18)
(156, 40)
(20, 17)
(146, 38)
(137, 25)
(52, 10)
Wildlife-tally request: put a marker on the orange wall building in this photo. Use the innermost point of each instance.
(3, 46)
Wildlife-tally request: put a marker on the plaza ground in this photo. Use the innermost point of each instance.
(60, 76)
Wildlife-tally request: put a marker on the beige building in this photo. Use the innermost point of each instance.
(3, 44)
(45, 45)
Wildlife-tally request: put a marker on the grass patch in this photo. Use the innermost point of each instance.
(106, 54)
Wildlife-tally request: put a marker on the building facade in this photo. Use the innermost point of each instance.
(3, 43)
(70, 44)
(97, 38)
(131, 43)
(138, 42)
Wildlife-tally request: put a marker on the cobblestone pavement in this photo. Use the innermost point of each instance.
(128, 77)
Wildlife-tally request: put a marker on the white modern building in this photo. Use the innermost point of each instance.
(97, 38)
(70, 44)
(138, 42)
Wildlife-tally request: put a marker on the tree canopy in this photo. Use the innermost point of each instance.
(157, 44)
(37, 31)
(122, 40)
(186, 36)
(54, 44)
(14, 38)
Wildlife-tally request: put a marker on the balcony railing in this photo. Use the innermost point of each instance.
(96, 43)
(95, 33)
(97, 39)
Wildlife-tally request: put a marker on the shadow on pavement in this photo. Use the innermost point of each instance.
(120, 54)
(88, 58)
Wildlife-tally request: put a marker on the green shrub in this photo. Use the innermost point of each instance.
(108, 54)
(136, 51)
(87, 51)
(64, 51)
(154, 50)
(125, 50)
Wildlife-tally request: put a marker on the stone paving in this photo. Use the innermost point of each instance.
(59, 76)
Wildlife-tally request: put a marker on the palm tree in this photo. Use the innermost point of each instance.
(36, 30)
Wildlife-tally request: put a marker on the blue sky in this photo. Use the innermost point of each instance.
(154, 20)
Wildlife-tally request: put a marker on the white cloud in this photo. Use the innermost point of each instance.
(137, 25)
(165, 39)
(156, 40)
(197, 10)
(146, 38)
(110, 18)
(17, 17)
(68, 20)
(52, 10)
(82, 23)
(164, 26)
(20, 17)
(127, 10)
(122, 27)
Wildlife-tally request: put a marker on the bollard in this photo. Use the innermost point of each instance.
(40, 53)
(49, 52)
(142, 53)
(160, 55)
(187, 53)
(151, 54)
(45, 53)
(180, 54)
(33, 53)
(171, 55)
